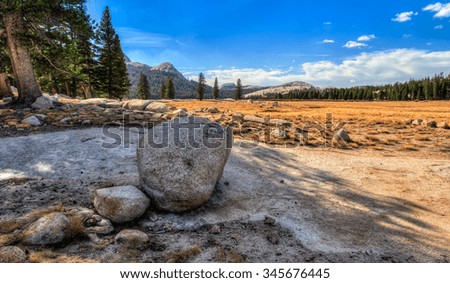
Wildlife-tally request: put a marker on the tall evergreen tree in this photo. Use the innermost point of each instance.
(238, 91)
(111, 71)
(170, 90)
(25, 24)
(201, 86)
(163, 90)
(216, 89)
(143, 88)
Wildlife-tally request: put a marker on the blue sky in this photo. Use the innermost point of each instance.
(267, 42)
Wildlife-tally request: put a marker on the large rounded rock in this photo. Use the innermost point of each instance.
(121, 204)
(47, 230)
(10, 254)
(181, 161)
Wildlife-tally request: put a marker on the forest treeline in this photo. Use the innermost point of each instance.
(435, 88)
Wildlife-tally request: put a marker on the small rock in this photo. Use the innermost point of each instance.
(42, 102)
(121, 204)
(7, 99)
(279, 122)
(180, 113)
(269, 221)
(215, 229)
(342, 135)
(273, 238)
(41, 116)
(92, 222)
(11, 254)
(275, 104)
(47, 230)
(429, 124)
(238, 117)
(86, 122)
(279, 134)
(32, 121)
(226, 183)
(136, 104)
(132, 238)
(252, 118)
(65, 120)
(409, 121)
(417, 122)
(157, 107)
(213, 110)
(443, 125)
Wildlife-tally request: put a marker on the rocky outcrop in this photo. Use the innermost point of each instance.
(180, 166)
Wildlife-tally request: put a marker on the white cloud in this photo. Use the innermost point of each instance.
(365, 69)
(439, 27)
(327, 23)
(442, 10)
(328, 41)
(135, 37)
(366, 37)
(404, 17)
(354, 44)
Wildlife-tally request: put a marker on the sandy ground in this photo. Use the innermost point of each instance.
(329, 205)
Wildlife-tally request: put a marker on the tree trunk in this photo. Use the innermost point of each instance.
(5, 89)
(68, 89)
(20, 58)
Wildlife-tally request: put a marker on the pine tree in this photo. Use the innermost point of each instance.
(216, 89)
(163, 90)
(143, 88)
(170, 90)
(201, 86)
(33, 20)
(238, 91)
(111, 71)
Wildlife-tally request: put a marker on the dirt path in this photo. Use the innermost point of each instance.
(328, 205)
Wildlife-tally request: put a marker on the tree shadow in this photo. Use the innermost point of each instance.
(325, 211)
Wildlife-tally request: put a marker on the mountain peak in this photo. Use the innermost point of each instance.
(166, 67)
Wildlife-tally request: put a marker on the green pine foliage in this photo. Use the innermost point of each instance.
(201, 86)
(111, 71)
(238, 91)
(143, 89)
(163, 90)
(216, 91)
(170, 90)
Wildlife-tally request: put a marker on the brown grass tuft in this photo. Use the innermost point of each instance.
(183, 255)
(47, 256)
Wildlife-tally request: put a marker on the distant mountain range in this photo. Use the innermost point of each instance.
(273, 92)
(185, 88)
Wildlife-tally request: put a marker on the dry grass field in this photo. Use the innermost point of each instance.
(383, 126)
